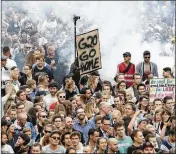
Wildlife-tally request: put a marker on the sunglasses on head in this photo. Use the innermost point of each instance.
(61, 96)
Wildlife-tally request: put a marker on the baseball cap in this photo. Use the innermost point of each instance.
(142, 119)
(127, 54)
(55, 132)
(3, 57)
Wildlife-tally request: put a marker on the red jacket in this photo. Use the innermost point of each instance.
(129, 75)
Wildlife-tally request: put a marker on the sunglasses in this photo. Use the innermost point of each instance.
(43, 116)
(56, 138)
(28, 47)
(46, 131)
(61, 96)
(147, 57)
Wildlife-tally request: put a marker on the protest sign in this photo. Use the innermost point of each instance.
(88, 48)
(159, 88)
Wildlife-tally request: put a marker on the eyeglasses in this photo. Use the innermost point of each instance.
(58, 138)
(125, 56)
(61, 96)
(46, 131)
(147, 57)
(43, 116)
(28, 47)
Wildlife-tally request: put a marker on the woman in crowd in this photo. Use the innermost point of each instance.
(11, 135)
(101, 145)
(32, 116)
(157, 120)
(121, 85)
(42, 89)
(107, 89)
(89, 110)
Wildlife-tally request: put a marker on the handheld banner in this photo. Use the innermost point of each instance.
(88, 48)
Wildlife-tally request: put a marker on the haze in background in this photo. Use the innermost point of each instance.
(118, 24)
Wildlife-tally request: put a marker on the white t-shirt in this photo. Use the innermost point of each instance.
(46, 149)
(48, 100)
(6, 149)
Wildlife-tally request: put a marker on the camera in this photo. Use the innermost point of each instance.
(76, 17)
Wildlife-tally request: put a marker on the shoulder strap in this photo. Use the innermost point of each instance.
(127, 69)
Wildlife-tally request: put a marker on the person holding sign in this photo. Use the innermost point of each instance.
(127, 68)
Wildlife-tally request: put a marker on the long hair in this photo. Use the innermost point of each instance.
(30, 59)
(32, 113)
(140, 100)
(92, 82)
(70, 85)
(59, 108)
(10, 134)
(89, 110)
(68, 107)
(45, 141)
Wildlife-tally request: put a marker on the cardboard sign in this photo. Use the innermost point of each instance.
(159, 88)
(88, 48)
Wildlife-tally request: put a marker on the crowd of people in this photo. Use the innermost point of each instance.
(49, 108)
(160, 23)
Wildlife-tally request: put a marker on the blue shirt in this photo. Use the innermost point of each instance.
(84, 129)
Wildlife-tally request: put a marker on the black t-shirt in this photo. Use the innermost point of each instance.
(45, 70)
(48, 60)
(132, 148)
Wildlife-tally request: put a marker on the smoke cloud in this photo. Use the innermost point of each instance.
(118, 24)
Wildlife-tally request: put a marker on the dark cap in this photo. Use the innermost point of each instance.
(95, 73)
(167, 69)
(147, 144)
(127, 54)
(55, 132)
(146, 53)
(3, 57)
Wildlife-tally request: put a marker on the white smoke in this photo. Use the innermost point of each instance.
(118, 24)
